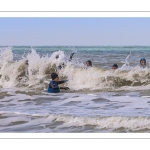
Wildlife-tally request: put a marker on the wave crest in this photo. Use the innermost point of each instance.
(37, 73)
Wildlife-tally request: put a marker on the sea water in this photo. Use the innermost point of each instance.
(99, 100)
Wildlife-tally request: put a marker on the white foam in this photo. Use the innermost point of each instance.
(13, 74)
(129, 123)
(100, 122)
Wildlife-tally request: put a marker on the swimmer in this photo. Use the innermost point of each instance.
(53, 85)
(114, 66)
(143, 63)
(89, 63)
(63, 64)
(57, 56)
(26, 62)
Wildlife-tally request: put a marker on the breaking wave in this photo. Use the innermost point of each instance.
(113, 123)
(37, 73)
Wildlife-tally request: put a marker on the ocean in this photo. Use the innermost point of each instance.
(99, 99)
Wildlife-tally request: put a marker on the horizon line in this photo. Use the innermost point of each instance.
(75, 45)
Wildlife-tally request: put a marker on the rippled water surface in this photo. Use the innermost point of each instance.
(99, 99)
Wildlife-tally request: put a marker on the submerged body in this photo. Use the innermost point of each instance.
(54, 86)
(142, 66)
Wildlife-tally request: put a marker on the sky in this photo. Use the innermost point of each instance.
(74, 31)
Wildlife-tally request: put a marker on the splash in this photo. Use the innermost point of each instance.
(114, 123)
(126, 66)
(36, 75)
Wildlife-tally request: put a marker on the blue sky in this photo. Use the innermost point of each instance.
(74, 31)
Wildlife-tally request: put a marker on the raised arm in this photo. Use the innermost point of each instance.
(63, 81)
(71, 56)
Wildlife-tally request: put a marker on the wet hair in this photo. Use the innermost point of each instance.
(54, 75)
(115, 65)
(90, 62)
(142, 59)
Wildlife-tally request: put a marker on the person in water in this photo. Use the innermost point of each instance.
(63, 64)
(114, 66)
(71, 56)
(89, 63)
(54, 84)
(26, 62)
(143, 63)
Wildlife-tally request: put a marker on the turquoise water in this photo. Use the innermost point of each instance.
(105, 55)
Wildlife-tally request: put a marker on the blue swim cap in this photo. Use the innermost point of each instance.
(143, 59)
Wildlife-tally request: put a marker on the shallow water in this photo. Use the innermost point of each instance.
(99, 99)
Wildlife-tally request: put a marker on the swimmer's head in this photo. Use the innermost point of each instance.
(26, 62)
(54, 77)
(89, 63)
(114, 66)
(143, 61)
(57, 56)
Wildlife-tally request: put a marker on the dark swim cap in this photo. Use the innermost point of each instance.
(54, 75)
(115, 65)
(90, 62)
(57, 56)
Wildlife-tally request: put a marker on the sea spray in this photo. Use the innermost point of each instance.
(13, 73)
(126, 66)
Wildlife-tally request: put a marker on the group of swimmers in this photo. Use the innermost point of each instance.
(54, 83)
(115, 66)
(89, 64)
